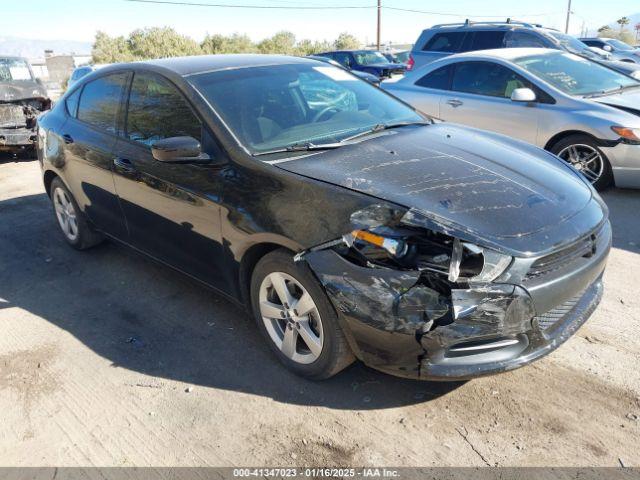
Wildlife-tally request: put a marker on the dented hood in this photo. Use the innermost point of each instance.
(483, 183)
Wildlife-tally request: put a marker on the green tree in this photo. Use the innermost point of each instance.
(309, 47)
(108, 49)
(159, 42)
(346, 41)
(283, 43)
(604, 31)
(235, 43)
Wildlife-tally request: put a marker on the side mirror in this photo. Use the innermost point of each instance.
(607, 48)
(178, 150)
(523, 95)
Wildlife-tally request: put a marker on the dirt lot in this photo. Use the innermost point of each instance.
(109, 359)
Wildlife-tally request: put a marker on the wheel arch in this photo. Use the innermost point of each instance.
(568, 133)
(47, 178)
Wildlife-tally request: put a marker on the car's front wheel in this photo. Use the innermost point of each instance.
(296, 317)
(71, 220)
(583, 154)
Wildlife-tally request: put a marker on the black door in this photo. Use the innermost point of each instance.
(90, 135)
(172, 210)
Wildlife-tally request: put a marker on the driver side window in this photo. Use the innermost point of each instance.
(157, 111)
(488, 79)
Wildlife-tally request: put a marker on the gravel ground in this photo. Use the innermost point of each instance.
(109, 359)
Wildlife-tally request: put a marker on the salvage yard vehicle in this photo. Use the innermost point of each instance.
(585, 113)
(22, 99)
(368, 61)
(447, 39)
(354, 227)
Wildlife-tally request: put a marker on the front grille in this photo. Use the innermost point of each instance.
(584, 248)
(548, 319)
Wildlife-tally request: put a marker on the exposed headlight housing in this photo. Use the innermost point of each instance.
(630, 134)
(474, 264)
(454, 259)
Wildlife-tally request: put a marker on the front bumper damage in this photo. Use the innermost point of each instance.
(18, 123)
(401, 323)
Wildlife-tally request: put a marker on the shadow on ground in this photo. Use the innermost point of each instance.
(624, 207)
(146, 318)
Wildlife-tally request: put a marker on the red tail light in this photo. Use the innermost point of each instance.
(410, 63)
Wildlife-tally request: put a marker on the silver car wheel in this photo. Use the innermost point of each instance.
(291, 317)
(66, 214)
(584, 158)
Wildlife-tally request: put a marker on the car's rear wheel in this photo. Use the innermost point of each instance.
(296, 317)
(583, 154)
(71, 220)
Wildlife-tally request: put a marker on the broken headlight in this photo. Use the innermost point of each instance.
(472, 263)
(457, 260)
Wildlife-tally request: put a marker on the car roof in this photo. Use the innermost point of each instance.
(185, 66)
(507, 53)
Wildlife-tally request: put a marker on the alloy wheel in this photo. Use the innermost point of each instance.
(66, 214)
(291, 317)
(584, 158)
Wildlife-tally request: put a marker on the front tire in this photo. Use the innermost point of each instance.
(296, 318)
(72, 222)
(583, 153)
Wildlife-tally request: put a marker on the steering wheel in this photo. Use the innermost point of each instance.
(323, 112)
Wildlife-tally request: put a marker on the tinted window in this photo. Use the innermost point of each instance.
(485, 78)
(343, 59)
(157, 110)
(520, 39)
(100, 100)
(594, 43)
(483, 40)
(445, 42)
(72, 102)
(438, 79)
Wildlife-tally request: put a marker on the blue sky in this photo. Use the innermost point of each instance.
(80, 19)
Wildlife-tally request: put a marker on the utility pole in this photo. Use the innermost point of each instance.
(566, 28)
(379, 12)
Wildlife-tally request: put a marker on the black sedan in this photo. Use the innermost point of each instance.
(350, 225)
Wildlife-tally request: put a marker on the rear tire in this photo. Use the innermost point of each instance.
(303, 330)
(583, 153)
(72, 222)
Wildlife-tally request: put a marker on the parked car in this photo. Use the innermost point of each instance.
(583, 112)
(397, 57)
(347, 222)
(80, 72)
(447, 39)
(618, 49)
(373, 79)
(369, 61)
(22, 99)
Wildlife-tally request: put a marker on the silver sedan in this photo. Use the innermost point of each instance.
(587, 114)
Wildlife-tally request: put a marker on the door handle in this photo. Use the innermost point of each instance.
(454, 103)
(124, 165)
(67, 138)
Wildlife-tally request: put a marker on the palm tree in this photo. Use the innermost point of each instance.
(637, 28)
(624, 21)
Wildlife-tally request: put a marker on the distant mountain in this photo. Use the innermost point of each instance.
(34, 48)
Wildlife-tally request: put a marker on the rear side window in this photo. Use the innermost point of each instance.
(100, 100)
(439, 79)
(486, 78)
(594, 43)
(520, 39)
(72, 103)
(483, 40)
(158, 110)
(445, 42)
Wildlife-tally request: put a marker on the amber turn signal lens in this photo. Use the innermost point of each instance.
(632, 134)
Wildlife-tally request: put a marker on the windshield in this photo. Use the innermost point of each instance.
(279, 106)
(403, 57)
(619, 45)
(369, 58)
(12, 69)
(575, 75)
(571, 43)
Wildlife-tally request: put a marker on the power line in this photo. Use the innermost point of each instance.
(263, 7)
(324, 7)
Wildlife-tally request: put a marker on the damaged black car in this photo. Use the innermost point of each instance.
(350, 225)
(22, 99)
